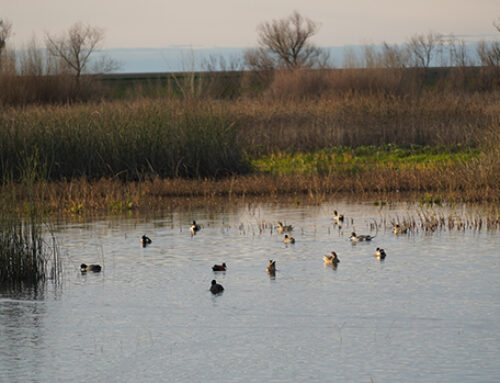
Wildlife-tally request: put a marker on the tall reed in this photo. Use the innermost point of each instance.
(129, 140)
(25, 255)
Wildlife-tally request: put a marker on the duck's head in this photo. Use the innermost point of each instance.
(213, 282)
(353, 234)
(83, 267)
(224, 264)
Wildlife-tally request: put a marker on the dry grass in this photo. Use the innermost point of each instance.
(354, 120)
(83, 153)
(81, 196)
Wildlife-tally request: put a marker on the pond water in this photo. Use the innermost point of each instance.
(430, 312)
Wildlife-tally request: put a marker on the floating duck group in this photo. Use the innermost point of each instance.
(331, 259)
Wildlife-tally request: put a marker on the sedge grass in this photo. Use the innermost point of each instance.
(26, 257)
(125, 140)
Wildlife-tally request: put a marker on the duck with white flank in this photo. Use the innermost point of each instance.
(338, 218)
(145, 240)
(380, 253)
(360, 238)
(95, 268)
(194, 228)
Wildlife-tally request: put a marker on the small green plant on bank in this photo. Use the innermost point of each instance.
(119, 207)
(352, 161)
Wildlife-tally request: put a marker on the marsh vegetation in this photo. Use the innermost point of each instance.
(279, 125)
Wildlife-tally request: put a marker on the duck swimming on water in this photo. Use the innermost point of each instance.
(219, 267)
(271, 267)
(284, 228)
(360, 238)
(95, 268)
(194, 228)
(145, 240)
(398, 229)
(380, 253)
(216, 288)
(338, 218)
(331, 259)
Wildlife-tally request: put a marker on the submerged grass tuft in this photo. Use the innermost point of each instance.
(25, 256)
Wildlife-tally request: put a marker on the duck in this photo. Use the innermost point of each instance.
(380, 253)
(332, 259)
(216, 288)
(398, 229)
(284, 228)
(95, 268)
(338, 218)
(145, 240)
(194, 228)
(219, 267)
(271, 267)
(288, 239)
(360, 238)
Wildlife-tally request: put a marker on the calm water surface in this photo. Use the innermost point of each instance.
(429, 313)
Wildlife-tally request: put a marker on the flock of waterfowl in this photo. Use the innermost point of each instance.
(331, 259)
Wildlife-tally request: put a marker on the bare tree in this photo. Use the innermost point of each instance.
(285, 43)
(496, 24)
(394, 56)
(75, 46)
(350, 59)
(489, 53)
(5, 31)
(424, 47)
(458, 53)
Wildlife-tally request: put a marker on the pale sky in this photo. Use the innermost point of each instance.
(232, 23)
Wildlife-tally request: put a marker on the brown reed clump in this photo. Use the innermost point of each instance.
(111, 195)
(429, 221)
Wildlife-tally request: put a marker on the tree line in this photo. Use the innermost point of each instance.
(283, 46)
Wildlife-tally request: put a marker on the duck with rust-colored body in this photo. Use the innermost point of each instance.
(219, 267)
(288, 239)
